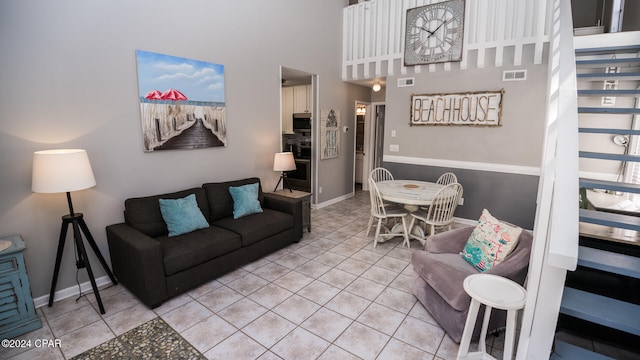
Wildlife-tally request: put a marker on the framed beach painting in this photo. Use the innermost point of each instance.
(182, 103)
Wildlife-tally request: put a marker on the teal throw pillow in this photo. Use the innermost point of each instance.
(182, 215)
(245, 200)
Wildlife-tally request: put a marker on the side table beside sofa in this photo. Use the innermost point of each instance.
(17, 311)
(305, 197)
(155, 266)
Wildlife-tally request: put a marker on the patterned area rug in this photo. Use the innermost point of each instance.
(152, 340)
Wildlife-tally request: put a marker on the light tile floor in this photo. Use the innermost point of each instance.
(331, 296)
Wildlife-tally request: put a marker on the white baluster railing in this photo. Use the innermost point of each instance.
(373, 34)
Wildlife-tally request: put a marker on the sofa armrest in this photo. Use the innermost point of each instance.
(287, 205)
(137, 262)
(449, 242)
(516, 264)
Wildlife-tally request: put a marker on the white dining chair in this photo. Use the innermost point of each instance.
(439, 213)
(447, 178)
(383, 212)
(380, 174)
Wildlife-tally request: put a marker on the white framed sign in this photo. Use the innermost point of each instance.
(472, 108)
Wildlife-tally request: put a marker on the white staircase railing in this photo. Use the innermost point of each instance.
(555, 247)
(373, 34)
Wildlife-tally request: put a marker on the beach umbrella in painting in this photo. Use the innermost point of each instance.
(173, 94)
(153, 95)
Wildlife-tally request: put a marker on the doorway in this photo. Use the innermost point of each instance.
(369, 141)
(297, 101)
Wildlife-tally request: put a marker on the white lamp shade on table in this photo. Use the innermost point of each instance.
(284, 162)
(62, 170)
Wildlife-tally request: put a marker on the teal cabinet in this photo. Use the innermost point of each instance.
(17, 312)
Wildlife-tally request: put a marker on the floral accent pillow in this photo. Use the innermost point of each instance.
(490, 242)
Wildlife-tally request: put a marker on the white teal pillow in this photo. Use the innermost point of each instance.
(182, 215)
(245, 200)
(490, 242)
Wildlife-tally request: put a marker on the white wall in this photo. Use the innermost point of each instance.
(68, 71)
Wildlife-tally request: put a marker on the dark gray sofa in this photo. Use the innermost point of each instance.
(156, 267)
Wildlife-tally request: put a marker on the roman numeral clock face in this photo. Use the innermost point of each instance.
(434, 33)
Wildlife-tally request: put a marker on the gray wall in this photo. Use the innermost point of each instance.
(508, 197)
(335, 175)
(68, 71)
(498, 166)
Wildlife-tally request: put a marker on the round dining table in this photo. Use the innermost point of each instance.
(411, 193)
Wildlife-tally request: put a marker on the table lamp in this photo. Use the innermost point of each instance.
(283, 162)
(67, 170)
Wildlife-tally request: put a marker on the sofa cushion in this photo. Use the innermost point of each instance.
(220, 200)
(143, 213)
(490, 242)
(185, 251)
(256, 227)
(445, 273)
(245, 200)
(182, 215)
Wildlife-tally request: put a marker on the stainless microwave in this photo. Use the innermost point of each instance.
(302, 122)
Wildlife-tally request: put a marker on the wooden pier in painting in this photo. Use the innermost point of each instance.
(196, 136)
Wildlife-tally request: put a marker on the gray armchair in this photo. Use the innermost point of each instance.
(441, 271)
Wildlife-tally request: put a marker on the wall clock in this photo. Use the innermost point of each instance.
(434, 33)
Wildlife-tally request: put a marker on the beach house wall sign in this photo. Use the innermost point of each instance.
(472, 108)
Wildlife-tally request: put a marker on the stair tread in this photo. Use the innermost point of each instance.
(609, 185)
(616, 92)
(607, 62)
(609, 50)
(609, 219)
(609, 131)
(609, 76)
(565, 351)
(606, 156)
(601, 310)
(610, 110)
(609, 261)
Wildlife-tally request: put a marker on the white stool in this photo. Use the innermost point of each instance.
(494, 292)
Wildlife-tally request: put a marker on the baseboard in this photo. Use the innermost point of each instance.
(71, 291)
(333, 201)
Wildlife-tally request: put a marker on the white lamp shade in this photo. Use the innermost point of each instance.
(284, 162)
(61, 170)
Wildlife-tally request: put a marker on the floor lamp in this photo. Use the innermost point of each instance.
(283, 162)
(68, 170)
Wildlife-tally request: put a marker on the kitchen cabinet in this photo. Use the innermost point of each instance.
(17, 311)
(301, 98)
(295, 99)
(287, 110)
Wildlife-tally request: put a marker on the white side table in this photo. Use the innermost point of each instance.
(494, 292)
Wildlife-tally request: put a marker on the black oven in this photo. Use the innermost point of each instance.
(300, 178)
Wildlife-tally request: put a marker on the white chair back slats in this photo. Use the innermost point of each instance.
(380, 174)
(380, 213)
(377, 205)
(447, 178)
(444, 205)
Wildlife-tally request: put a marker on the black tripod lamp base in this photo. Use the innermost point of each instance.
(79, 227)
(285, 182)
